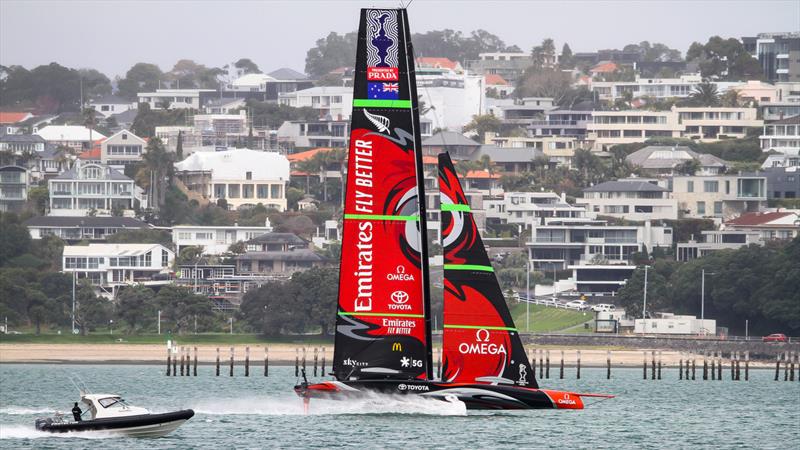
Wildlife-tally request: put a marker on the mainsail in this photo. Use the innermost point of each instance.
(480, 342)
(382, 327)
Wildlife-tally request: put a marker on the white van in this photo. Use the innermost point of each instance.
(603, 307)
(576, 304)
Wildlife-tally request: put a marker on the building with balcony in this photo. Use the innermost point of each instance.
(530, 209)
(663, 160)
(318, 133)
(330, 102)
(19, 144)
(76, 137)
(521, 113)
(513, 160)
(509, 65)
(779, 110)
(778, 54)
(714, 240)
(772, 225)
(92, 188)
(121, 149)
(266, 86)
(242, 177)
(708, 124)
(74, 229)
(631, 200)
(277, 254)
(721, 196)
(609, 128)
(783, 182)
(659, 88)
(111, 104)
(14, 185)
(176, 98)
(563, 122)
(109, 266)
(221, 129)
(215, 240)
(782, 136)
(756, 92)
(562, 243)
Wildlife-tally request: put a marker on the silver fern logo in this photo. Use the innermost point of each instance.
(380, 122)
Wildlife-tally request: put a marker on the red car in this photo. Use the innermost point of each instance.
(777, 337)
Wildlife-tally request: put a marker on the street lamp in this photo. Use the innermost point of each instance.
(644, 302)
(528, 297)
(703, 299)
(110, 326)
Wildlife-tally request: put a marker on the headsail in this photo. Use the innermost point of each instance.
(381, 328)
(480, 341)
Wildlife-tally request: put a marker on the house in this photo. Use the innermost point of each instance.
(81, 228)
(241, 177)
(780, 160)
(719, 196)
(662, 160)
(458, 145)
(756, 92)
(568, 122)
(668, 323)
(223, 105)
(14, 186)
(277, 254)
(215, 240)
(122, 148)
(631, 200)
(530, 209)
(603, 68)
(777, 53)
(501, 87)
(509, 65)
(334, 169)
(76, 137)
(112, 104)
(609, 128)
(427, 62)
(110, 266)
(559, 149)
(714, 240)
(124, 120)
(515, 113)
(782, 136)
(783, 182)
(658, 88)
(771, 111)
(221, 129)
(176, 98)
(21, 143)
(316, 133)
(709, 124)
(92, 188)
(49, 163)
(330, 102)
(782, 225)
(12, 122)
(512, 160)
(269, 86)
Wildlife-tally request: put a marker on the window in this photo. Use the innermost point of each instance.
(701, 207)
(717, 208)
(183, 235)
(219, 190)
(248, 175)
(247, 191)
(710, 186)
(727, 186)
(276, 191)
(690, 186)
(164, 258)
(124, 136)
(233, 191)
(204, 236)
(262, 191)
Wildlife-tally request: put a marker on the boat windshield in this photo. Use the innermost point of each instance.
(112, 401)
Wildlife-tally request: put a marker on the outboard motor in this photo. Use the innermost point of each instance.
(43, 424)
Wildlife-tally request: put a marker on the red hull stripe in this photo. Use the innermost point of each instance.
(381, 217)
(451, 207)
(344, 313)
(468, 267)
(480, 327)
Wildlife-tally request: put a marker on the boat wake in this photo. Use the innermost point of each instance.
(28, 432)
(291, 405)
(22, 411)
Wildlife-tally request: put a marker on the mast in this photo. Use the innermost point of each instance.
(421, 200)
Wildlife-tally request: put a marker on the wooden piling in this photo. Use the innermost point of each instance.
(303, 361)
(533, 361)
(296, 362)
(266, 361)
(694, 365)
(608, 364)
(644, 364)
(688, 357)
(195, 362)
(659, 364)
(705, 365)
(777, 366)
(719, 367)
(231, 366)
(738, 367)
(247, 361)
(547, 362)
(217, 361)
(174, 364)
(579, 365)
(322, 369)
(786, 366)
(541, 363)
(733, 369)
(168, 362)
(680, 367)
(791, 370)
(439, 363)
(561, 366)
(182, 356)
(747, 366)
(713, 366)
(653, 365)
(316, 360)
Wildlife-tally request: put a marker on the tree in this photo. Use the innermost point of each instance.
(39, 197)
(705, 94)
(332, 52)
(142, 77)
(15, 239)
(237, 248)
(157, 166)
(135, 305)
(725, 59)
(655, 52)
(482, 124)
(91, 311)
(180, 307)
(272, 116)
(689, 167)
(543, 55)
(248, 65)
(538, 82)
(565, 61)
(731, 98)
(142, 236)
(318, 290)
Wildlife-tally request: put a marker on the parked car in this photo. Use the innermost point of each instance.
(603, 307)
(577, 304)
(775, 337)
(548, 302)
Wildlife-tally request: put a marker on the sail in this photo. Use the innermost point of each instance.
(480, 342)
(382, 318)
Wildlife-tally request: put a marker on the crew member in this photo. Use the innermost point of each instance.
(76, 412)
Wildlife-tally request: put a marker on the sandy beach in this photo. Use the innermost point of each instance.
(279, 354)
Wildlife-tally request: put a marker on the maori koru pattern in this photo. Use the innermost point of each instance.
(382, 38)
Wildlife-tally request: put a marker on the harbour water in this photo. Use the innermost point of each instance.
(259, 412)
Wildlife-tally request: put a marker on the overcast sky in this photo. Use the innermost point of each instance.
(112, 35)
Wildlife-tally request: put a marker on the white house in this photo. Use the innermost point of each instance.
(111, 104)
(175, 98)
(112, 265)
(721, 196)
(76, 136)
(630, 199)
(239, 176)
(675, 324)
(122, 148)
(330, 102)
(215, 240)
(90, 187)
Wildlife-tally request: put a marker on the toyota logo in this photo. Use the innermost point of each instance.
(401, 387)
(399, 297)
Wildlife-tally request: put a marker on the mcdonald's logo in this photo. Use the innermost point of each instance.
(397, 347)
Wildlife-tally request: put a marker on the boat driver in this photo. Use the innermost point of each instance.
(76, 412)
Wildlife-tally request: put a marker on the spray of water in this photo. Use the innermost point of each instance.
(23, 411)
(372, 404)
(28, 432)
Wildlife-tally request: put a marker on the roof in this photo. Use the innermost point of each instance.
(445, 63)
(286, 74)
(494, 79)
(224, 101)
(293, 255)
(28, 138)
(449, 138)
(758, 218)
(604, 67)
(481, 174)
(126, 116)
(666, 157)
(68, 133)
(625, 186)
(232, 164)
(509, 154)
(93, 154)
(321, 90)
(86, 221)
(108, 249)
(72, 173)
(429, 159)
(787, 121)
(306, 155)
(111, 100)
(281, 238)
(14, 117)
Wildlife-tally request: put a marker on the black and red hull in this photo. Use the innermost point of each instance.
(473, 395)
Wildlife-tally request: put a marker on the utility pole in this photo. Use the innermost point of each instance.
(644, 303)
(159, 321)
(528, 297)
(703, 299)
(73, 301)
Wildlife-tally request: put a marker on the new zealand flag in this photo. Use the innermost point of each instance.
(383, 91)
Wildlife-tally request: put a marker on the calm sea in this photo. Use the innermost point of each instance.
(258, 412)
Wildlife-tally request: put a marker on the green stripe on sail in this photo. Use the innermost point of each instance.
(373, 103)
(413, 316)
(468, 267)
(381, 217)
(451, 207)
(480, 327)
